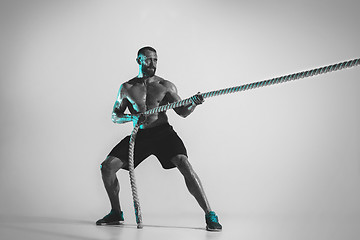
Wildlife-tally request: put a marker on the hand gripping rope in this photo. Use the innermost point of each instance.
(188, 101)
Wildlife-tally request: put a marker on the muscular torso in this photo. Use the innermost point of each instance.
(144, 94)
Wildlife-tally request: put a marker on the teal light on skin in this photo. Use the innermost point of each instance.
(147, 64)
(147, 69)
(125, 117)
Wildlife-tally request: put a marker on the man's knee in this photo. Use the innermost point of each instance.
(105, 167)
(111, 165)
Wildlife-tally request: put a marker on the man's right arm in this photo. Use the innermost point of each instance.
(119, 108)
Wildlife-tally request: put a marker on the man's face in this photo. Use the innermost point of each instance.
(148, 62)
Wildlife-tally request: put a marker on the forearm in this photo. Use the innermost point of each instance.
(123, 118)
(185, 110)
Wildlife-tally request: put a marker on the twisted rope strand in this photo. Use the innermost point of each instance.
(249, 86)
(273, 81)
(132, 176)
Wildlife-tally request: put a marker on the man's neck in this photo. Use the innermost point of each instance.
(140, 75)
(143, 75)
(144, 78)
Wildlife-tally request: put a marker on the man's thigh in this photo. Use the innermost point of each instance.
(181, 162)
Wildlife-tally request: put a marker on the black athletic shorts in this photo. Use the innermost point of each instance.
(161, 141)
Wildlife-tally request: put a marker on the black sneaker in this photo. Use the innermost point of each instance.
(212, 222)
(113, 218)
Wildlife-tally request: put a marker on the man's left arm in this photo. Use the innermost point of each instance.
(173, 96)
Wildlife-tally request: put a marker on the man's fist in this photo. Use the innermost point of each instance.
(197, 99)
(139, 118)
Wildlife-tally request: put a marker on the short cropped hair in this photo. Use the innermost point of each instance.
(147, 48)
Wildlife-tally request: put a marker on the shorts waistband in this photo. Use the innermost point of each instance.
(154, 130)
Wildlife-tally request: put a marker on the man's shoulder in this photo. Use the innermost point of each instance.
(165, 83)
(125, 86)
(130, 82)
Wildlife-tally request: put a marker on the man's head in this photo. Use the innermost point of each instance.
(147, 60)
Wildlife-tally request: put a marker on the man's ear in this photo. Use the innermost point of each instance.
(138, 60)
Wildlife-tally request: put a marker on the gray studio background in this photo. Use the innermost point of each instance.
(286, 150)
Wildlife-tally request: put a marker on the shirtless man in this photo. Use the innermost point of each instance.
(155, 136)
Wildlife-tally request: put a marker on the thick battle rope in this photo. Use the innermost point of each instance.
(188, 101)
(283, 79)
(132, 176)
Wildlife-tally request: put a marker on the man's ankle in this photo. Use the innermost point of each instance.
(116, 211)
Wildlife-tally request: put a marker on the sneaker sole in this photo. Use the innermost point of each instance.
(110, 223)
(213, 230)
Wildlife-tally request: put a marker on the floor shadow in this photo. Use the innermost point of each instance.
(154, 226)
(21, 223)
(176, 227)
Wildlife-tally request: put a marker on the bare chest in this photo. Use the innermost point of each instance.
(147, 96)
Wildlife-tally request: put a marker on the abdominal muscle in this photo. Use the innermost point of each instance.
(145, 97)
(154, 120)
